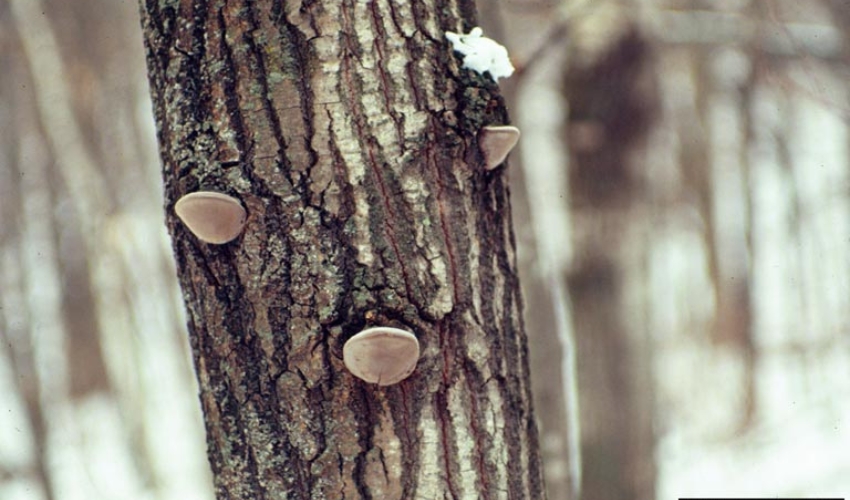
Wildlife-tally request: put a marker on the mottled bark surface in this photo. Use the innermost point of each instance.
(347, 129)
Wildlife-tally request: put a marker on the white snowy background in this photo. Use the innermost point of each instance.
(785, 188)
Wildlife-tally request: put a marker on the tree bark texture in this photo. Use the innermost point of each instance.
(348, 131)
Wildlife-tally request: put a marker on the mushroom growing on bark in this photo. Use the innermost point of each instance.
(213, 217)
(495, 142)
(381, 355)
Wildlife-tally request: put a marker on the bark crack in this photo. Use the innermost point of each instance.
(444, 227)
(261, 75)
(408, 446)
(447, 349)
(387, 88)
(231, 101)
(480, 457)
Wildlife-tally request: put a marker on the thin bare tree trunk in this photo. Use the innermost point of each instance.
(613, 104)
(83, 304)
(348, 131)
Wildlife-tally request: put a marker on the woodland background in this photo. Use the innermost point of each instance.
(682, 209)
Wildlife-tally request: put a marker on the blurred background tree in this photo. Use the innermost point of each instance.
(681, 204)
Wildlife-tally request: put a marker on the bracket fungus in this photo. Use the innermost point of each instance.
(381, 355)
(213, 217)
(496, 142)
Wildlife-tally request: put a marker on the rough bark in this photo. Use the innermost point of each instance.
(348, 131)
(537, 35)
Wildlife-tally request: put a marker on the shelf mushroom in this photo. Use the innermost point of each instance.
(495, 142)
(213, 217)
(381, 355)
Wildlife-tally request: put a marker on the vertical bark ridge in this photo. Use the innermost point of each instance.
(347, 129)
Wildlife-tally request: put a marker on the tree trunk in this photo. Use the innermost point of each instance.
(613, 107)
(348, 131)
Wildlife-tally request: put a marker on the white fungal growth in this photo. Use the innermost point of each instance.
(482, 54)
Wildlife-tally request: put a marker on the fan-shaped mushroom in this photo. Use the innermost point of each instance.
(495, 142)
(381, 355)
(213, 217)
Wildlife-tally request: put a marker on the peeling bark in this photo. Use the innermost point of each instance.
(348, 131)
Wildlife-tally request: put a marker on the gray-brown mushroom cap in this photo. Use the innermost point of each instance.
(381, 355)
(213, 217)
(495, 142)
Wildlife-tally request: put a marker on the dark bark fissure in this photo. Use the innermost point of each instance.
(348, 132)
